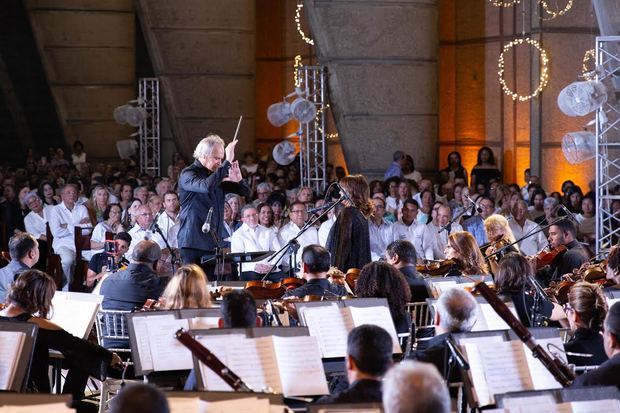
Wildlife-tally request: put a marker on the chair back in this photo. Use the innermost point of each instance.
(111, 326)
(54, 265)
(420, 314)
(81, 238)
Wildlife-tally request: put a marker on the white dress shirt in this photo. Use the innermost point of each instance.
(62, 222)
(380, 237)
(531, 245)
(439, 240)
(166, 222)
(324, 230)
(418, 235)
(35, 223)
(260, 238)
(288, 232)
(139, 234)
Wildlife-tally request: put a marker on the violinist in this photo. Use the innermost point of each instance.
(463, 250)
(99, 264)
(500, 236)
(563, 233)
(401, 255)
(586, 310)
(512, 280)
(613, 268)
(315, 265)
(186, 289)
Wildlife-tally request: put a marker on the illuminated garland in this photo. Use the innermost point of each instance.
(544, 69)
(298, 24)
(327, 135)
(297, 65)
(554, 14)
(589, 55)
(500, 3)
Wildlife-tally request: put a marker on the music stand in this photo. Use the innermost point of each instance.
(245, 257)
(22, 371)
(565, 395)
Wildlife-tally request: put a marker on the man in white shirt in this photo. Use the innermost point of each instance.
(63, 219)
(522, 226)
(35, 224)
(438, 238)
(298, 216)
(381, 231)
(143, 231)
(407, 228)
(169, 217)
(251, 237)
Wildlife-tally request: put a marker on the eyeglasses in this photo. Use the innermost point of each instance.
(299, 211)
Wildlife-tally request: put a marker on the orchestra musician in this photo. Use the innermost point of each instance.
(608, 373)
(564, 233)
(29, 300)
(613, 268)
(401, 254)
(415, 387)
(186, 289)
(202, 186)
(500, 237)
(24, 252)
(463, 249)
(513, 280)
(586, 310)
(349, 239)
(315, 265)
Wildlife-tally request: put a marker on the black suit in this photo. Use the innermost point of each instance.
(361, 391)
(419, 292)
(199, 190)
(608, 374)
(319, 287)
(130, 288)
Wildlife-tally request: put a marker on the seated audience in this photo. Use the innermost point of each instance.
(186, 289)
(521, 227)
(142, 230)
(24, 252)
(369, 356)
(315, 265)
(381, 230)
(381, 280)
(140, 398)
(608, 373)
(35, 224)
(29, 300)
(586, 310)
(413, 387)
(298, 216)
(402, 256)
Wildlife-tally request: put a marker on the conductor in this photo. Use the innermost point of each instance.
(202, 187)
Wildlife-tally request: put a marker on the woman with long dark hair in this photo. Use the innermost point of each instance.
(464, 251)
(349, 238)
(455, 169)
(485, 168)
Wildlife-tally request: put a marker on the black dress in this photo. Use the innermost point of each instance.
(349, 240)
(524, 303)
(586, 341)
(82, 358)
(484, 175)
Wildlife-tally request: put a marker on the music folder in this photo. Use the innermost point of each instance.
(16, 350)
(75, 312)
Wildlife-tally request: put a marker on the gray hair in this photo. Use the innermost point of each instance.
(245, 208)
(206, 145)
(230, 196)
(20, 244)
(30, 195)
(550, 202)
(264, 185)
(146, 251)
(457, 310)
(415, 387)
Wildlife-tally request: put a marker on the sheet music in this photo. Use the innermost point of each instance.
(217, 345)
(38, 408)
(328, 326)
(500, 358)
(598, 406)
(11, 345)
(75, 316)
(183, 404)
(300, 366)
(203, 323)
(379, 316)
(143, 344)
(487, 319)
(546, 402)
(168, 353)
(542, 379)
(241, 405)
(476, 368)
(254, 360)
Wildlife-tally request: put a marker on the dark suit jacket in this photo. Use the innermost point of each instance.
(361, 391)
(130, 288)
(199, 190)
(608, 374)
(319, 287)
(586, 341)
(419, 292)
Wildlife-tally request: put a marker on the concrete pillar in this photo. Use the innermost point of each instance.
(382, 63)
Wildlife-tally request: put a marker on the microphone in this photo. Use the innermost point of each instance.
(153, 225)
(206, 227)
(569, 214)
(319, 209)
(345, 194)
(474, 208)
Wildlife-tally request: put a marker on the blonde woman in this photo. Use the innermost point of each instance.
(186, 289)
(500, 236)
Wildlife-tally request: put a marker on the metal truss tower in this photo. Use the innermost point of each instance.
(312, 143)
(148, 99)
(608, 143)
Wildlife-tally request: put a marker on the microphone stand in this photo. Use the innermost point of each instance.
(219, 255)
(538, 296)
(289, 245)
(456, 218)
(173, 257)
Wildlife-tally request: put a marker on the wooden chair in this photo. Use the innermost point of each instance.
(82, 238)
(54, 266)
(5, 258)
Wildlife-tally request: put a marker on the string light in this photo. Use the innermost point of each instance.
(585, 72)
(298, 24)
(553, 14)
(544, 69)
(318, 113)
(499, 3)
(296, 66)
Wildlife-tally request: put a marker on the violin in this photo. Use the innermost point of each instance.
(494, 246)
(435, 268)
(152, 305)
(545, 258)
(335, 276)
(265, 290)
(351, 277)
(291, 283)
